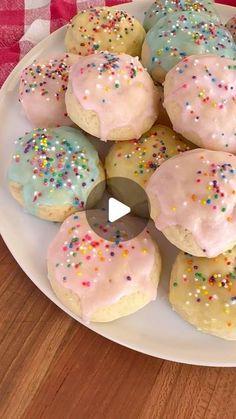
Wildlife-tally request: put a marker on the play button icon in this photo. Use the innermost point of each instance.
(116, 210)
(123, 211)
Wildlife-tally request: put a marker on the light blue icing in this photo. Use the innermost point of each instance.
(54, 166)
(186, 33)
(161, 8)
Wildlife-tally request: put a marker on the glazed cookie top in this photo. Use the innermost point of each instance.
(182, 34)
(104, 29)
(112, 85)
(43, 85)
(161, 8)
(204, 87)
(231, 26)
(197, 191)
(100, 271)
(56, 166)
(207, 287)
(140, 158)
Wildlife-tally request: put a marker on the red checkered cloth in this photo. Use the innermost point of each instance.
(23, 23)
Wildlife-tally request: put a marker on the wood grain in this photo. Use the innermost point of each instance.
(53, 367)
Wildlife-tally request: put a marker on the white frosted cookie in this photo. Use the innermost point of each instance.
(203, 292)
(42, 90)
(193, 198)
(199, 96)
(104, 29)
(101, 280)
(112, 96)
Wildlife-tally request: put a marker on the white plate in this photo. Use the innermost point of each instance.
(155, 330)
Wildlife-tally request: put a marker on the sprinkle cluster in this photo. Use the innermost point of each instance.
(207, 97)
(116, 72)
(56, 162)
(40, 76)
(205, 289)
(115, 25)
(149, 152)
(170, 36)
(164, 7)
(86, 253)
(215, 178)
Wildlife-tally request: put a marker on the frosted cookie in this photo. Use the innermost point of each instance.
(53, 171)
(203, 292)
(193, 198)
(182, 34)
(231, 26)
(200, 98)
(138, 159)
(100, 280)
(111, 96)
(42, 90)
(104, 29)
(162, 8)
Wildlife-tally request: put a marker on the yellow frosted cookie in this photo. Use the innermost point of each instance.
(203, 292)
(138, 159)
(104, 29)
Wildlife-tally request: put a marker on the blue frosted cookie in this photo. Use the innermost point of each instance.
(161, 8)
(182, 34)
(53, 171)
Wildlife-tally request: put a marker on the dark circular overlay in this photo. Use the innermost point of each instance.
(129, 193)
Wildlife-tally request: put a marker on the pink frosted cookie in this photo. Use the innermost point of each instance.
(101, 280)
(231, 26)
(193, 201)
(200, 99)
(42, 90)
(111, 96)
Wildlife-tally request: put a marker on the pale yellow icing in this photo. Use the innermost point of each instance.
(104, 29)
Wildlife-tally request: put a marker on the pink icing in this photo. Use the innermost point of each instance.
(197, 190)
(117, 88)
(42, 90)
(100, 272)
(203, 87)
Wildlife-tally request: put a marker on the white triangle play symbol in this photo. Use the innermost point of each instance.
(116, 210)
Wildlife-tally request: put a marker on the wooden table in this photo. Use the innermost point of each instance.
(53, 367)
